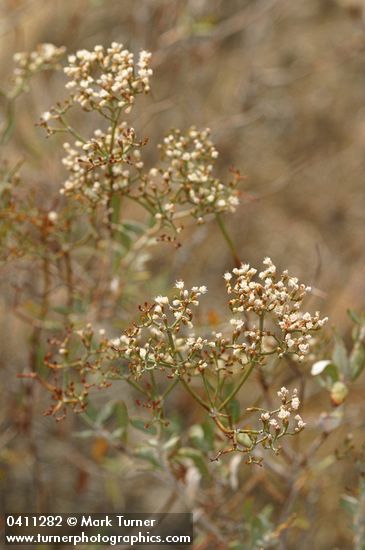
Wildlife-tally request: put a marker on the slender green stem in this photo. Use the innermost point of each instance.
(141, 203)
(137, 386)
(217, 388)
(114, 200)
(169, 389)
(171, 339)
(228, 240)
(195, 395)
(153, 381)
(243, 379)
(9, 123)
(71, 130)
(10, 112)
(261, 324)
(206, 386)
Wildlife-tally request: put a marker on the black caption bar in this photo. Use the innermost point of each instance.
(107, 529)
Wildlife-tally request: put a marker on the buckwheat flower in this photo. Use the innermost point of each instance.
(283, 414)
(274, 424)
(237, 323)
(101, 77)
(281, 297)
(161, 300)
(97, 168)
(179, 284)
(233, 201)
(300, 424)
(227, 276)
(187, 173)
(289, 342)
(283, 392)
(295, 402)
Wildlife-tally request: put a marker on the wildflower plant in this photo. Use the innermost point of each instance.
(90, 328)
(109, 165)
(163, 343)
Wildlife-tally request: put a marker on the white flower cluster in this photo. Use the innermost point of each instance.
(46, 56)
(103, 165)
(158, 334)
(163, 338)
(108, 76)
(112, 162)
(187, 177)
(276, 423)
(163, 321)
(107, 81)
(279, 296)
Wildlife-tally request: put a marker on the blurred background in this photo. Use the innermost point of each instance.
(281, 84)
